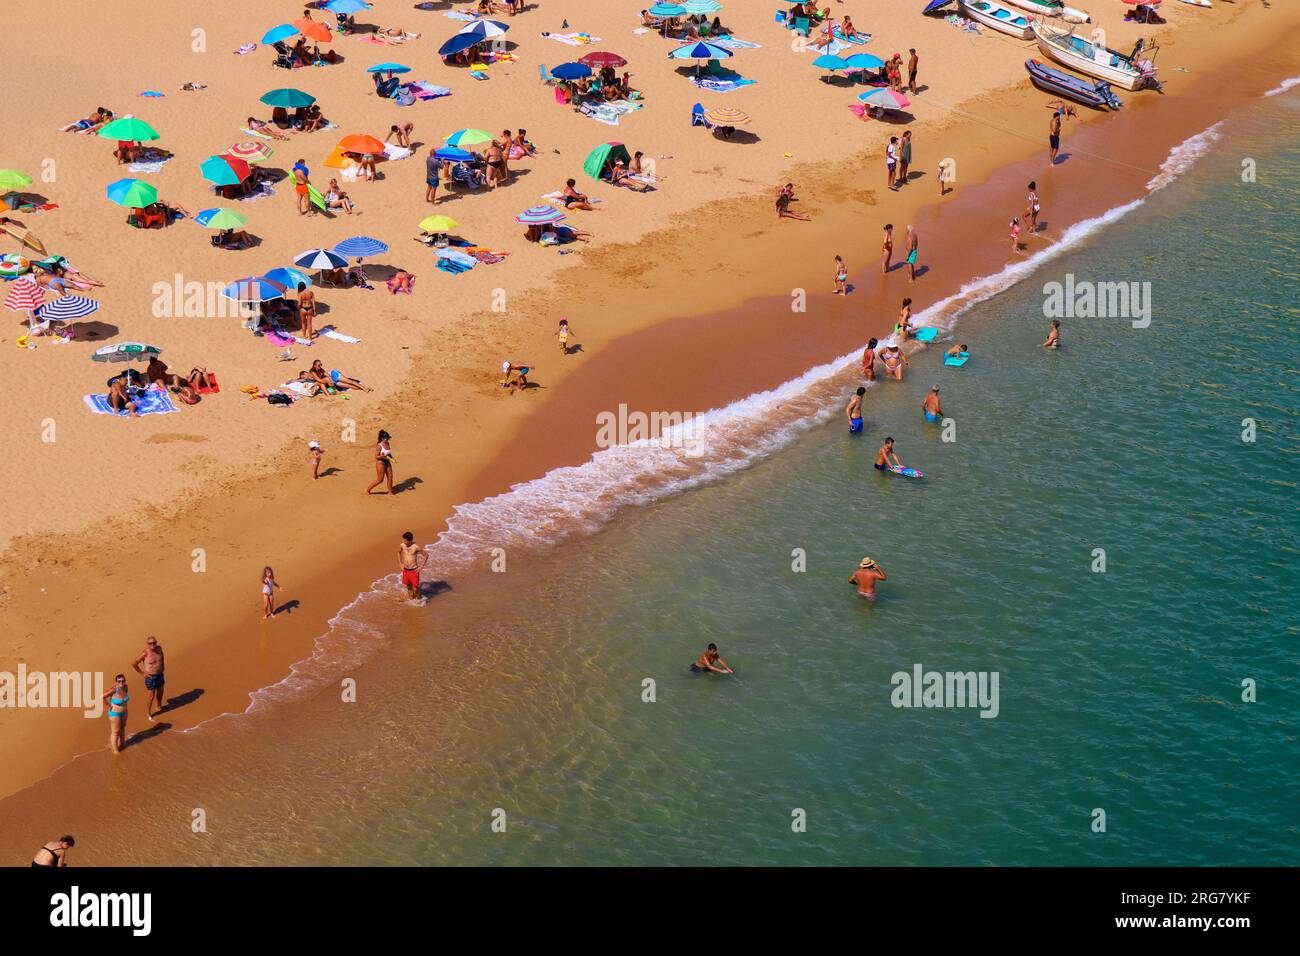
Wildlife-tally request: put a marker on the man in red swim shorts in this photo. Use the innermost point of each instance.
(411, 558)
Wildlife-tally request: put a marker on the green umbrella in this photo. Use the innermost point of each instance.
(132, 193)
(288, 98)
(13, 179)
(220, 219)
(595, 164)
(129, 129)
(125, 352)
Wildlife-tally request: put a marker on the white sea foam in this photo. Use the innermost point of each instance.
(1183, 156)
(1284, 86)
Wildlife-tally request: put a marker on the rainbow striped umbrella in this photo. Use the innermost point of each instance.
(539, 216)
(67, 307)
(251, 153)
(24, 295)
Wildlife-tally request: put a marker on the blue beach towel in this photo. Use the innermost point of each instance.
(150, 402)
(715, 85)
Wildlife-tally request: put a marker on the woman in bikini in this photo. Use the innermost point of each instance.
(869, 361)
(904, 325)
(306, 310)
(55, 853)
(119, 399)
(269, 587)
(1015, 236)
(574, 199)
(117, 699)
(383, 463)
(841, 277)
(887, 249)
(1032, 208)
(894, 360)
(336, 198)
(266, 129)
(334, 379)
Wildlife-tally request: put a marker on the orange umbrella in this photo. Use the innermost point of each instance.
(313, 30)
(360, 143)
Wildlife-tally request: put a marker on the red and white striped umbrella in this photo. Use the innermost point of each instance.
(24, 295)
(251, 153)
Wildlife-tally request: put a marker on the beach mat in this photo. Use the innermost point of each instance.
(151, 402)
(926, 334)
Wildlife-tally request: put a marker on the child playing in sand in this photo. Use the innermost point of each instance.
(563, 335)
(841, 278)
(269, 587)
(1015, 236)
(317, 453)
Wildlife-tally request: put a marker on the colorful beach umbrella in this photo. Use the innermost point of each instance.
(453, 153)
(277, 33)
(124, 352)
(571, 71)
(361, 246)
(726, 117)
(700, 51)
(438, 223)
(319, 259)
(604, 155)
(483, 29)
(251, 153)
(864, 61)
(218, 218)
(388, 68)
(289, 278)
(361, 143)
(347, 6)
(129, 129)
(290, 99)
(254, 289)
(67, 308)
(314, 30)
(667, 10)
(12, 179)
(24, 295)
(700, 7)
(132, 193)
(828, 62)
(456, 44)
(885, 99)
(539, 216)
(224, 170)
(600, 59)
(465, 138)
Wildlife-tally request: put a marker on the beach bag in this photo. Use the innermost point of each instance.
(278, 398)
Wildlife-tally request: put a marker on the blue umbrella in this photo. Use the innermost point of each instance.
(281, 32)
(827, 62)
(288, 98)
(453, 153)
(320, 259)
(571, 71)
(254, 289)
(483, 29)
(289, 278)
(667, 10)
(700, 51)
(67, 307)
(346, 6)
(461, 41)
(864, 61)
(539, 216)
(360, 246)
(388, 68)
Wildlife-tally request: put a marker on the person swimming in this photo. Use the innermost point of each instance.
(854, 411)
(710, 661)
(930, 405)
(958, 351)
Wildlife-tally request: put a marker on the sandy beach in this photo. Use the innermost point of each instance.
(680, 301)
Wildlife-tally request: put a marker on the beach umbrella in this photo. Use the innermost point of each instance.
(129, 129)
(483, 29)
(254, 289)
(289, 278)
(461, 41)
(319, 259)
(700, 51)
(314, 30)
(571, 71)
(132, 193)
(347, 6)
(11, 179)
(66, 308)
(290, 99)
(361, 143)
(603, 155)
(24, 237)
(453, 153)
(864, 61)
(124, 352)
(726, 117)
(361, 246)
(885, 99)
(539, 216)
(667, 10)
(278, 33)
(251, 153)
(468, 137)
(599, 60)
(827, 62)
(701, 7)
(24, 295)
(388, 68)
(224, 170)
(218, 218)
(438, 224)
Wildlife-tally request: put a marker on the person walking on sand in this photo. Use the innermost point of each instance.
(1015, 236)
(1054, 135)
(307, 310)
(152, 659)
(913, 248)
(383, 462)
(866, 576)
(841, 278)
(887, 248)
(301, 182)
(912, 70)
(117, 699)
(317, 453)
(1053, 335)
(904, 156)
(854, 411)
(269, 587)
(930, 406)
(55, 853)
(1032, 207)
(411, 559)
(562, 333)
(885, 453)
(891, 162)
(943, 177)
(710, 661)
(869, 361)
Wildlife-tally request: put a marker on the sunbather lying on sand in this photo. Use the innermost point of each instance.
(91, 123)
(334, 379)
(266, 129)
(158, 375)
(622, 177)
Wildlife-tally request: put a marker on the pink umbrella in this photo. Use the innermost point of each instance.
(885, 99)
(24, 295)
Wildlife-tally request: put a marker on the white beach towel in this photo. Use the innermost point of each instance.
(395, 153)
(572, 39)
(152, 167)
(332, 333)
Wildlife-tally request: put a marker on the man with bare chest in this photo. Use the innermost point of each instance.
(152, 660)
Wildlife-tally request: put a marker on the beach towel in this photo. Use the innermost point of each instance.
(332, 333)
(453, 266)
(152, 94)
(245, 129)
(427, 91)
(572, 39)
(728, 42)
(396, 152)
(212, 389)
(149, 402)
(460, 15)
(715, 85)
(150, 166)
(246, 48)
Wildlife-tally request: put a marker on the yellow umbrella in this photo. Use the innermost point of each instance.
(24, 237)
(438, 224)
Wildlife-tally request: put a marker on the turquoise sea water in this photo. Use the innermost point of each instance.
(1119, 690)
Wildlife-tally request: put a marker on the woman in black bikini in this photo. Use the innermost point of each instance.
(54, 854)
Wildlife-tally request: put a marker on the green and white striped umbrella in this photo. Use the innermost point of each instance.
(125, 352)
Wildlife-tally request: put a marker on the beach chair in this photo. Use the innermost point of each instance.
(545, 74)
(697, 116)
(151, 219)
(802, 25)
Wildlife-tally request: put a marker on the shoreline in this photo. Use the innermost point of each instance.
(751, 336)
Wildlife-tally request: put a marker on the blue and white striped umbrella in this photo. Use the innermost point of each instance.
(67, 307)
(254, 289)
(320, 259)
(539, 216)
(483, 29)
(289, 278)
(700, 51)
(361, 246)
